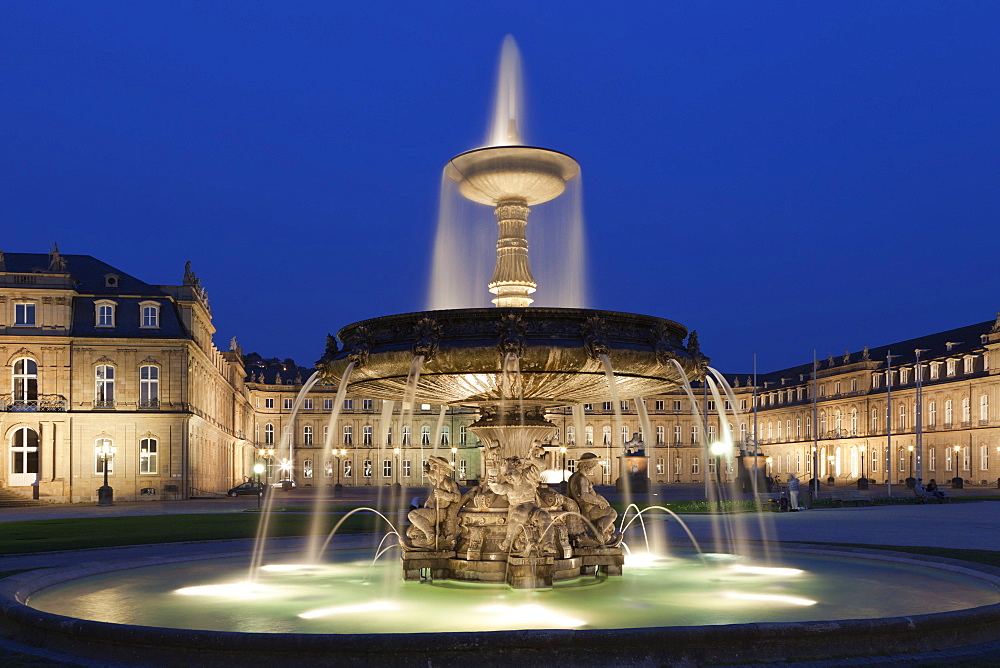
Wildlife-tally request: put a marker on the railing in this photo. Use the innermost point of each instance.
(45, 403)
(104, 404)
(152, 404)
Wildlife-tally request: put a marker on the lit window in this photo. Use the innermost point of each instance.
(269, 434)
(148, 450)
(935, 370)
(25, 383)
(606, 435)
(307, 435)
(149, 386)
(366, 404)
(307, 468)
(425, 435)
(969, 364)
(589, 435)
(948, 413)
(367, 471)
(407, 468)
(24, 314)
(386, 468)
(932, 413)
(366, 435)
(446, 437)
(984, 408)
(659, 405)
(149, 315)
(348, 435)
(105, 313)
(348, 404)
(950, 367)
(104, 376)
(348, 468)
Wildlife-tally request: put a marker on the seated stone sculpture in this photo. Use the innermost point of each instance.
(594, 507)
(526, 520)
(435, 526)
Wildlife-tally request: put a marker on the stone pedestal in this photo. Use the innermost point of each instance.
(606, 560)
(436, 563)
(105, 496)
(529, 572)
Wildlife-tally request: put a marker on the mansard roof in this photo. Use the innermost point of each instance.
(963, 340)
(88, 272)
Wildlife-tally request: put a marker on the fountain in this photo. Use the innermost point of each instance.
(510, 570)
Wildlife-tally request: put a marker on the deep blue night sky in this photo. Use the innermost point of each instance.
(780, 176)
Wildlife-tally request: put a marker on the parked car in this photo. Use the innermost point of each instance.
(249, 487)
(281, 483)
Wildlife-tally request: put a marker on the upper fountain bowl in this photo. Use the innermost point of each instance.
(491, 175)
(559, 353)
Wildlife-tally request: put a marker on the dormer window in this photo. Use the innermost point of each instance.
(950, 367)
(104, 313)
(149, 315)
(24, 314)
(969, 364)
(111, 280)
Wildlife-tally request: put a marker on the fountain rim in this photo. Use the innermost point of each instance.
(564, 160)
(766, 641)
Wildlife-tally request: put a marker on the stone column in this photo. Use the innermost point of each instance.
(512, 281)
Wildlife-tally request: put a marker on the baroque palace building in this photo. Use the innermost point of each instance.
(95, 357)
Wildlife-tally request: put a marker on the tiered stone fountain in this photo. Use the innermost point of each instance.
(513, 363)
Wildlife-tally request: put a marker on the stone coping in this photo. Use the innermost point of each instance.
(678, 645)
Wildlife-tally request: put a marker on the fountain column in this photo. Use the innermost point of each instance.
(512, 281)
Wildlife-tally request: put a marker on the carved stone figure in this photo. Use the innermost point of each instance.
(594, 507)
(595, 337)
(512, 330)
(435, 527)
(528, 524)
(866, 356)
(57, 263)
(428, 332)
(830, 363)
(996, 325)
(3, 267)
(361, 345)
(847, 357)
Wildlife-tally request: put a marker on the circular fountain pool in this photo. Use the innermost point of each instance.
(353, 597)
(818, 603)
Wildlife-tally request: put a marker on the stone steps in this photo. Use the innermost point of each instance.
(12, 499)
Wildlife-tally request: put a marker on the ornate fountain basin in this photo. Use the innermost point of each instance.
(558, 353)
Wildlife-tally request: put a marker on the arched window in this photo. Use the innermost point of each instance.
(837, 421)
(589, 432)
(446, 437)
(932, 459)
(149, 386)
(606, 435)
(104, 380)
(148, 451)
(949, 414)
(269, 434)
(23, 457)
(25, 383)
(966, 410)
(932, 413)
(425, 435)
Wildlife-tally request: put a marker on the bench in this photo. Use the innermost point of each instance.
(848, 496)
(923, 496)
(769, 500)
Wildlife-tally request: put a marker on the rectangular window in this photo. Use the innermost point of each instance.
(876, 380)
(328, 404)
(307, 468)
(462, 469)
(659, 465)
(935, 370)
(588, 407)
(950, 367)
(606, 406)
(268, 403)
(366, 404)
(677, 434)
(425, 435)
(463, 436)
(105, 315)
(104, 376)
(694, 434)
(984, 453)
(406, 434)
(348, 468)
(695, 466)
(624, 406)
(367, 470)
(659, 405)
(348, 435)
(659, 436)
(348, 404)
(287, 404)
(406, 468)
(386, 468)
(571, 465)
(970, 364)
(147, 456)
(948, 459)
(24, 314)
(307, 435)
(150, 317)
(931, 460)
(307, 404)
(149, 386)
(677, 405)
(366, 435)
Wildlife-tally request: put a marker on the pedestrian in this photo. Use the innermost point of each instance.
(793, 491)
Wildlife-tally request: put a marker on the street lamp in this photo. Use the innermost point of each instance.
(396, 484)
(718, 449)
(267, 454)
(562, 475)
(830, 471)
(957, 480)
(258, 469)
(338, 489)
(767, 466)
(909, 471)
(106, 451)
(863, 483)
(454, 467)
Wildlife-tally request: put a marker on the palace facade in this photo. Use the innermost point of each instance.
(97, 360)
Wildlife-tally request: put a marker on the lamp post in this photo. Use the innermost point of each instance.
(863, 482)
(909, 471)
(106, 451)
(454, 463)
(338, 489)
(395, 478)
(562, 469)
(956, 482)
(718, 449)
(767, 466)
(830, 472)
(267, 454)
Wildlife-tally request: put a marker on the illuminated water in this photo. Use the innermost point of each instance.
(348, 597)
